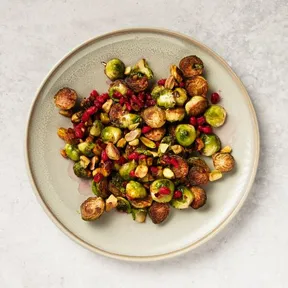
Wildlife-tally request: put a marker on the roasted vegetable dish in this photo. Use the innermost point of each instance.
(141, 144)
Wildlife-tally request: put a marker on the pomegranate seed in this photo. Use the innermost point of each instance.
(79, 133)
(146, 129)
(137, 101)
(161, 82)
(128, 106)
(166, 159)
(142, 157)
(103, 97)
(206, 129)
(85, 116)
(201, 120)
(182, 84)
(174, 162)
(148, 96)
(129, 93)
(141, 96)
(98, 177)
(164, 191)
(94, 93)
(215, 98)
(98, 105)
(124, 183)
(177, 194)
(121, 161)
(154, 170)
(122, 100)
(157, 143)
(117, 95)
(133, 156)
(104, 156)
(91, 110)
(151, 102)
(193, 121)
(132, 173)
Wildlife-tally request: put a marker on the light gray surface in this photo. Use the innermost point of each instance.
(251, 36)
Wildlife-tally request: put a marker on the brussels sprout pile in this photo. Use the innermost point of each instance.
(141, 143)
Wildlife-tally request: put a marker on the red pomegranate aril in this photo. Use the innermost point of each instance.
(98, 105)
(79, 133)
(164, 191)
(157, 143)
(94, 93)
(215, 98)
(91, 110)
(133, 156)
(104, 156)
(132, 173)
(174, 162)
(161, 82)
(98, 177)
(166, 159)
(193, 121)
(182, 84)
(177, 194)
(121, 161)
(117, 95)
(128, 106)
(146, 129)
(154, 170)
(122, 100)
(129, 93)
(207, 129)
(141, 96)
(137, 101)
(85, 116)
(201, 120)
(148, 96)
(142, 157)
(151, 102)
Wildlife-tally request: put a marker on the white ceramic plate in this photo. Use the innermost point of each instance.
(117, 235)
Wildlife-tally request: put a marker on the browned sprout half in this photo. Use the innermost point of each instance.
(100, 189)
(116, 113)
(182, 169)
(198, 176)
(200, 197)
(196, 105)
(68, 135)
(156, 134)
(197, 86)
(191, 66)
(158, 212)
(175, 114)
(142, 203)
(223, 162)
(92, 208)
(65, 98)
(196, 161)
(154, 117)
(137, 82)
(176, 73)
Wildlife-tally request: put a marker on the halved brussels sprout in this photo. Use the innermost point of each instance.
(156, 134)
(197, 86)
(126, 168)
(186, 199)
(175, 114)
(116, 112)
(129, 119)
(92, 208)
(191, 66)
(115, 185)
(96, 128)
(142, 203)
(223, 162)
(200, 197)
(158, 212)
(185, 134)
(72, 152)
(86, 148)
(68, 135)
(114, 69)
(111, 203)
(196, 106)
(143, 68)
(212, 144)
(155, 189)
(154, 117)
(100, 189)
(198, 176)
(181, 169)
(166, 99)
(65, 98)
(123, 205)
(215, 115)
(176, 73)
(139, 215)
(111, 134)
(135, 190)
(196, 161)
(81, 171)
(117, 86)
(180, 96)
(137, 82)
(156, 91)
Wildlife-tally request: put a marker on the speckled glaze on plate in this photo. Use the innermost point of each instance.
(117, 235)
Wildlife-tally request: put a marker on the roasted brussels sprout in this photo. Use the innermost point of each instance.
(156, 134)
(223, 162)
(126, 169)
(115, 114)
(112, 152)
(181, 169)
(175, 114)
(185, 134)
(111, 203)
(198, 176)
(166, 99)
(115, 185)
(139, 215)
(186, 199)
(123, 205)
(72, 152)
(142, 67)
(191, 66)
(129, 119)
(80, 171)
(117, 86)
(196, 106)
(100, 189)
(96, 128)
(197, 86)
(68, 135)
(114, 69)
(200, 197)
(215, 115)
(176, 73)
(156, 91)
(142, 203)
(65, 98)
(111, 134)
(158, 212)
(196, 161)
(154, 117)
(86, 148)
(162, 190)
(180, 96)
(92, 208)
(135, 190)
(137, 82)
(212, 144)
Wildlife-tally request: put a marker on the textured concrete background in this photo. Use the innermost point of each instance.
(252, 36)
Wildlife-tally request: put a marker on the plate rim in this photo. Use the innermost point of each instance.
(193, 245)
